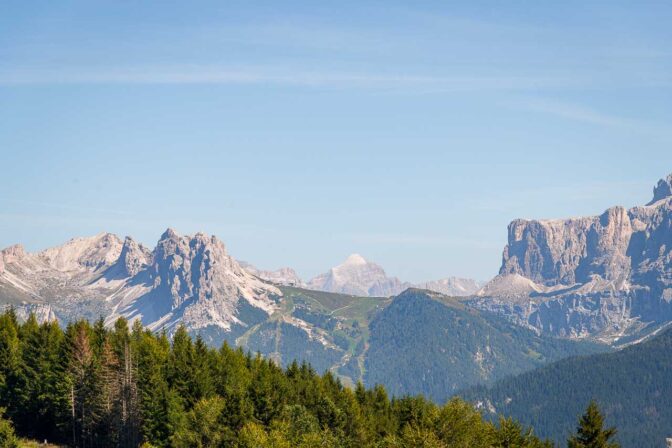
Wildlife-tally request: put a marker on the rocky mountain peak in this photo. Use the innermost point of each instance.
(357, 276)
(92, 253)
(197, 268)
(170, 233)
(662, 190)
(355, 260)
(134, 257)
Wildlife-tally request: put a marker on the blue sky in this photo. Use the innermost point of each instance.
(299, 132)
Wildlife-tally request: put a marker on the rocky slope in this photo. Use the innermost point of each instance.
(357, 276)
(607, 276)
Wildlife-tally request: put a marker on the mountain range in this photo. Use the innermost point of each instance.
(192, 281)
(565, 287)
(360, 277)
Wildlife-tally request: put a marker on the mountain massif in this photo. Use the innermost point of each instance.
(606, 277)
(188, 280)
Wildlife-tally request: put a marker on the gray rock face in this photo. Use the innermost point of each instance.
(607, 276)
(134, 257)
(565, 252)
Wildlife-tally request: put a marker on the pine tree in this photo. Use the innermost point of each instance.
(87, 408)
(161, 408)
(109, 393)
(10, 356)
(203, 376)
(180, 373)
(590, 432)
(203, 426)
(128, 407)
(8, 438)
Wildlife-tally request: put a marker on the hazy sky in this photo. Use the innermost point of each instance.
(300, 132)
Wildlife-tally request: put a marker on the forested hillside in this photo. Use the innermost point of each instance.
(632, 386)
(431, 344)
(88, 386)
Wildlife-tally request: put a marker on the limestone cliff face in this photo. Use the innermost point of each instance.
(569, 251)
(191, 280)
(606, 276)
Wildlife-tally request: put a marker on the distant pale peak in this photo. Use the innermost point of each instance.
(355, 259)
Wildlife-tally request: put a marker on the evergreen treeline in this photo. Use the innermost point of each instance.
(89, 386)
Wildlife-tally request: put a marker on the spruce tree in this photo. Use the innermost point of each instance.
(10, 356)
(590, 432)
(7, 437)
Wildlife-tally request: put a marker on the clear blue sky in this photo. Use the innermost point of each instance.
(300, 132)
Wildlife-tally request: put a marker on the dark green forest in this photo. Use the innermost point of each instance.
(89, 386)
(430, 344)
(633, 387)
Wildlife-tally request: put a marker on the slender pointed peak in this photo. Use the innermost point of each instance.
(662, 190)
(170, 233)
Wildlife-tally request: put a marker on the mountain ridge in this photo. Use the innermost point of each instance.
(607, 277)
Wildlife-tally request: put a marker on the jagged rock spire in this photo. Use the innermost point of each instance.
(662, 190)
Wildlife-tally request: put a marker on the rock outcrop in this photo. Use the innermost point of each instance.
(134, 257)
(198, 284)
(606, 276)
(662, 190)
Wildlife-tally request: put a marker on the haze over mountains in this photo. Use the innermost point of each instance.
(358, 276)
(604, 279)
